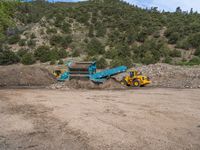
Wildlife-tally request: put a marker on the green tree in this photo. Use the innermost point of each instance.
(28, 59)
(102, 63)
(13, 39)
(95, 47)
(43, 54)
(8, 57)
(197, 52)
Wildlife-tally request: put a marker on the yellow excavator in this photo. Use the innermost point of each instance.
(135, 79)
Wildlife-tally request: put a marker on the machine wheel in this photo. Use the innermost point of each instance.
(136, 83)
(123, 82)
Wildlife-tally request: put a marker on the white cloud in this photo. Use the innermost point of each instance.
(169, 5)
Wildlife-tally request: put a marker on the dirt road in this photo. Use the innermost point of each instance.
(145, 119)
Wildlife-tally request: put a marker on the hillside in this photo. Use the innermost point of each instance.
(111, 32)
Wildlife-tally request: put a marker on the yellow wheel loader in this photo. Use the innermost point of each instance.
(135, 79)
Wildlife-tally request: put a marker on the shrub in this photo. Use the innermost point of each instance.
(60, 62)
(33, 36)
(148, 58)
(175, 53)
(102, 63)
(75, 53)
(118, 61)
(63, 41)
(66, 40)
(55, 40)
(194, 40)
(167, 60)
(13, 39)
(51, 30)
(62, 53)
(100, 30)
(21, 52)
(22, 42)
(173, 38)
(194, 61)
(66, 27)
(91, 32)
(141, 36)
(8, 57)
(31, 43)
(42, 53)
(197, 52)
(53, 54)
(95, 47)
(53, 62)
(28, 59)
(184, 44)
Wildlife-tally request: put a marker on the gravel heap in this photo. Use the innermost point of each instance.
(110, 84)
(165, 75)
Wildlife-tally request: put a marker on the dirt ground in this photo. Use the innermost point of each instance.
(140, 119)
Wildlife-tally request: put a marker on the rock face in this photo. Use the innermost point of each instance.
(164, 75)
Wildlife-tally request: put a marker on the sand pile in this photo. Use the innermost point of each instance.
(15, 75)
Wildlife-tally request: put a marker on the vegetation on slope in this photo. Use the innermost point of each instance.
(106, 31)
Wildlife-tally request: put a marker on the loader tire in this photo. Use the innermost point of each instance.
(123, 82)
(136, 83)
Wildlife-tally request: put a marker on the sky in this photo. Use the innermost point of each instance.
(167, 5)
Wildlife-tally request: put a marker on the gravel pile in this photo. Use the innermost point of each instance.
(164, 75)
(110, 84)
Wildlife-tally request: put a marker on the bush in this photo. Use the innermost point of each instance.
(197, 52)
(141, 36)
(173, 38)
(53, 54)
(28, 59)
(31, 43)
(75, 53)
(66, 27)
(22, 42)
(148, 58)
(51, 30)
(60, 62)
(13, 39)
(21, 52)
(33, 36)
(53, 62)
(66, 40)
(63, 41)
(100, 30)
(167, 60)
(62, 53)
(194, 40)
(127, 61)
(42, 53)
(102, 63)
(184, 44)
(175, 53)
(8, 57)
(194, 61)
(55, 40)
(95, 47)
